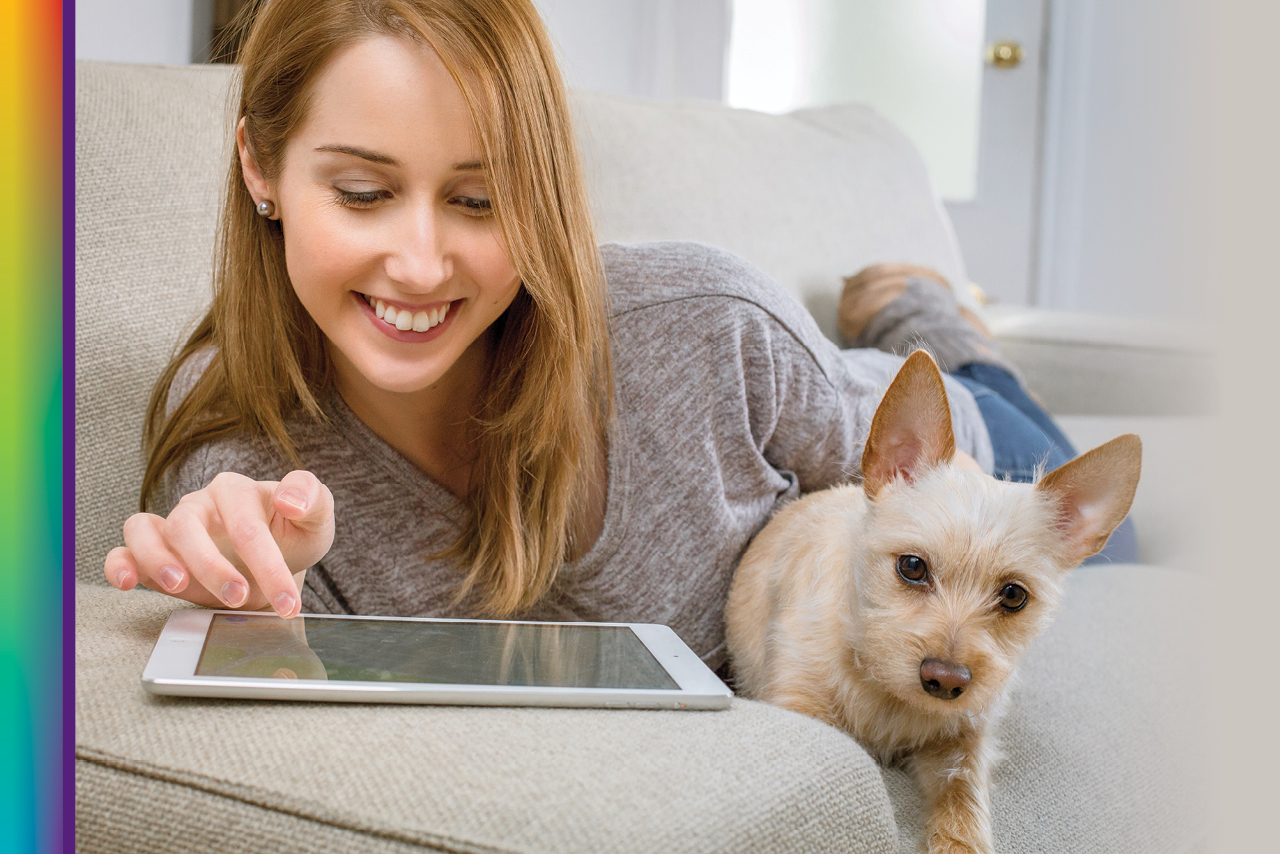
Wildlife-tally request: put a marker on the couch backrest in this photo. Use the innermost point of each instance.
(808, 197)
(151, 152)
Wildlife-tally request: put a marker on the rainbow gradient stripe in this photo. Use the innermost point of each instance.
(31, 426)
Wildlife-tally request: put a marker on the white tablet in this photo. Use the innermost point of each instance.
(417, 660)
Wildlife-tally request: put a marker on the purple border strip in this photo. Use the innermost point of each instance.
(63, 837)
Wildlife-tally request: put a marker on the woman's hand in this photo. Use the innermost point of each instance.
(237, 543)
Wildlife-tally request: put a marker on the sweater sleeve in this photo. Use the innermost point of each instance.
(811, 403)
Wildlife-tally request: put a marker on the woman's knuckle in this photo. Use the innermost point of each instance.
(182, 515)
(245, 531)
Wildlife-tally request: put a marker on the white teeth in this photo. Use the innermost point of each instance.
(404, 320)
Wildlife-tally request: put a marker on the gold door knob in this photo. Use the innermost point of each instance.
(1005, 54)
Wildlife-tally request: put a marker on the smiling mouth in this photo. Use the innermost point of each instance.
(406, 320)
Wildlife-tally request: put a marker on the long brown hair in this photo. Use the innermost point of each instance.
(547, 398)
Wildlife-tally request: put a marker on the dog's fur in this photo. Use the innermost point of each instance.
(820, 621)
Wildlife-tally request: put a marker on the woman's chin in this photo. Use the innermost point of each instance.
(400, 384)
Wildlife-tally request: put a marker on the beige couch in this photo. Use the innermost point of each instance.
(1102, 746)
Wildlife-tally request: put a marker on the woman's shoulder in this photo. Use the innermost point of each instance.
(720, 291)
(641, 275)
(188, 373)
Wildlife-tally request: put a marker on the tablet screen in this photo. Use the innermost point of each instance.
(339, 648)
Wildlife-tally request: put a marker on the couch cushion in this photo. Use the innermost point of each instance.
(176, 774)
(1104, 750)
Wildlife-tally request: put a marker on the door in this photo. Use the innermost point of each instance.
(998, 228)
(960, 77)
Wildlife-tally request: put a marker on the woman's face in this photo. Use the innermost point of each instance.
(384, 203)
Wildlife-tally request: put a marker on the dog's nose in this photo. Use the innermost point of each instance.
(945, 680)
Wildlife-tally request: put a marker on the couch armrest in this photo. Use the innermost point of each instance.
(1081, 364)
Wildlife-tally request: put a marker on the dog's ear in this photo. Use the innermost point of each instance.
(911, 429)
(1093, 494)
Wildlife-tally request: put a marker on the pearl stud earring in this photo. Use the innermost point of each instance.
(266, 208)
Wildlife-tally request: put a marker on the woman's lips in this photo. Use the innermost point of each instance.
(422, 325)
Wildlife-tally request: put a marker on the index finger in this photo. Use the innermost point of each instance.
(245, 519)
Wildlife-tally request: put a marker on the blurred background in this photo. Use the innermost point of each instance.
(1055, 131)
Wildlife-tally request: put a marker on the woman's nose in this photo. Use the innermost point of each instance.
(418, 259)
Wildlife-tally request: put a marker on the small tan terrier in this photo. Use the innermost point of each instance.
(896, 609)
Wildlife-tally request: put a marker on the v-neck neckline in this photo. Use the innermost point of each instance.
(437, 498)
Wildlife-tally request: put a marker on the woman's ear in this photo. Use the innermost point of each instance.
(259, 187)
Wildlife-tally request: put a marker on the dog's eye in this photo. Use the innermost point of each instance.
(1013, 597)
(913, 569)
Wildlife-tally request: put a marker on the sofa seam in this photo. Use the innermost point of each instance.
(257, 797)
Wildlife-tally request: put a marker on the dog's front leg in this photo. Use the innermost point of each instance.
(954, 775)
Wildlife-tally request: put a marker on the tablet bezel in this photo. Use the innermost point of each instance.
(171, 670)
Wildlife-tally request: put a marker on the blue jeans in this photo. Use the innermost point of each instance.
(1023, 437)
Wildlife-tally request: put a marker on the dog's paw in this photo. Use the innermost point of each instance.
(959, 837)
(940, 844)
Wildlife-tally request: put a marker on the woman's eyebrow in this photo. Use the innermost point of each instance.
(363, 153)
(388, 160)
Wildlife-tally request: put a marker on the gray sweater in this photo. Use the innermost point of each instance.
(729, 403)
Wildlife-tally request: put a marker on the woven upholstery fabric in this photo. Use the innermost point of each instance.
(1105, 741)
(152, 147)
(339, 777)
(1103, 749)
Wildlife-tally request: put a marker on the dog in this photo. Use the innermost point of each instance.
(896, 609)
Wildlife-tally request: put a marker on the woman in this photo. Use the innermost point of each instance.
(413, 381)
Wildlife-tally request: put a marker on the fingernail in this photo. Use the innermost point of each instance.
(170, 578)
(284, 604)
(294, 498)
(234, 593)
(121, 577)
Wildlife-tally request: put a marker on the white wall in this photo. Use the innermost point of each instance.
(148, 31)
(1124, 158)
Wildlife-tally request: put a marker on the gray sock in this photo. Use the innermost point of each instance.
(926, 316)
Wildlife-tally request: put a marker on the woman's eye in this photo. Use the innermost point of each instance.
(1013, 597)
(912, 569)
(365, 199)
(473, 205)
